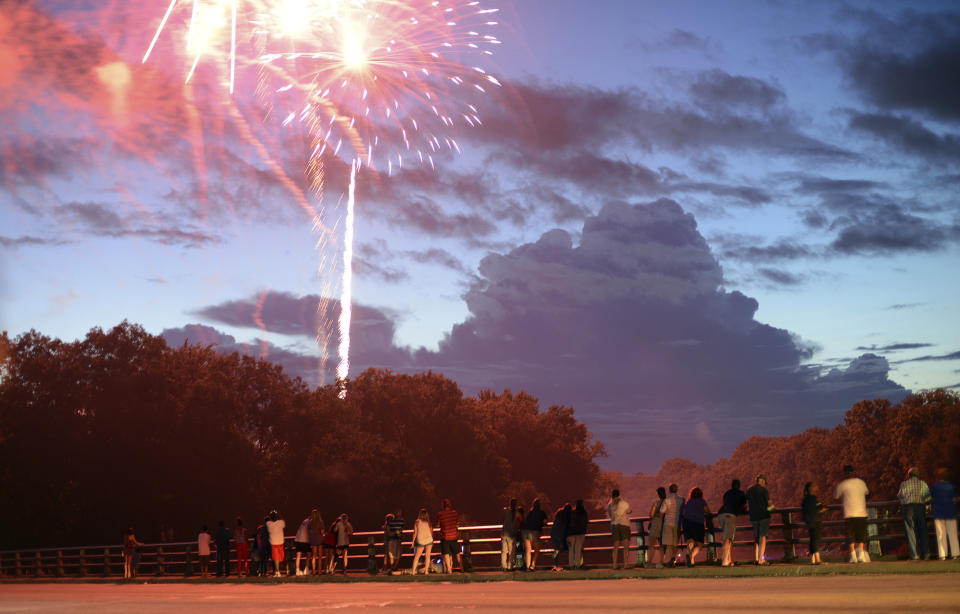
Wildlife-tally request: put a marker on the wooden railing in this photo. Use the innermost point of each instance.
(788, 538)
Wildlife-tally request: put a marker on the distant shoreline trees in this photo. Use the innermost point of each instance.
(879, 439)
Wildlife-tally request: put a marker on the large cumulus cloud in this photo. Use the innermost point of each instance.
(633, 327)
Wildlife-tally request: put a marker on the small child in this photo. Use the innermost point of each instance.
(203, 550)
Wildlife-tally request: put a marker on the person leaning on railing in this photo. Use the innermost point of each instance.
(734, 504)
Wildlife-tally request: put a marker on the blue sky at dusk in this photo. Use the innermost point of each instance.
(693, 222)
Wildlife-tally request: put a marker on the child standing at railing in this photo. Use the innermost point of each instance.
(203, 551)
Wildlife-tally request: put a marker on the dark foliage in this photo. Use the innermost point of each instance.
(119, 429)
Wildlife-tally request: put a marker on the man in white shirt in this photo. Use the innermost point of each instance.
(853, 492)
(619, 512)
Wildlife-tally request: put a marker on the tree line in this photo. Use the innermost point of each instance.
(881, 440)
(120, 429)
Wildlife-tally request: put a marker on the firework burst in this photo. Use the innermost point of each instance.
(376, 83)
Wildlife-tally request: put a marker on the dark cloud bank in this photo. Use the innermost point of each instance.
(632, 327)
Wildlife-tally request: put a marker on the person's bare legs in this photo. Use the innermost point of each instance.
(426, 566)
(727, 552)
(760, 549)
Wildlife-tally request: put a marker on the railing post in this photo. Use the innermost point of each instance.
(37, 565)
(711, 541)
(641, 544)
(187, 563)
(161, 569)
(59, 563)
(19, 566)
(789, 546)
(83, 563)
(873, 545)
(371, 556)
(466, 561)
(106, 562)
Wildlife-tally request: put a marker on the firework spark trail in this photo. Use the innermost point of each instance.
(346, 293)
(376, 83)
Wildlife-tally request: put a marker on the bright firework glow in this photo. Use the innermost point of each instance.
(375, 83)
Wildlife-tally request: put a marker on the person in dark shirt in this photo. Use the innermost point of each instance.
(577, 534)
(222, 537)
(734, 504)
(760, 506)
(811, 516)
(530, 532)
(558, 534)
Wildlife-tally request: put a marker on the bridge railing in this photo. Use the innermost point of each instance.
(788, 538)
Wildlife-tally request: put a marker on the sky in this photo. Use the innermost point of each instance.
(692, 222)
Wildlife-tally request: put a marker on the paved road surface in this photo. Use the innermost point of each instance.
(879, 593)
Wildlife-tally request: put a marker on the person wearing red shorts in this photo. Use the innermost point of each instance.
(275, 527)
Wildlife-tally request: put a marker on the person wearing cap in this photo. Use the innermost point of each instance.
(449, 522)
(758, 499)
(275, 528)
(914, 494)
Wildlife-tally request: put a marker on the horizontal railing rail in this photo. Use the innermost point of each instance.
(481, 543)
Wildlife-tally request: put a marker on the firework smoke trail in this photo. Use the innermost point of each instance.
(380, 83)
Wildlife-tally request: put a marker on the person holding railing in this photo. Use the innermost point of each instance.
(558, 534)
(914, 494)
(734, 504)
(344, 531)
(695, 513)
(130, 545)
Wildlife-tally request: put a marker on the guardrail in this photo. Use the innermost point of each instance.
(481, 542)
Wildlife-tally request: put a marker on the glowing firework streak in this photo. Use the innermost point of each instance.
(346, 293)
(375, 82)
